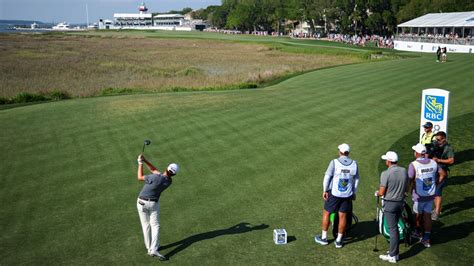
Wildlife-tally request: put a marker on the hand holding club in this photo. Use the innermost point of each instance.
(140, 159)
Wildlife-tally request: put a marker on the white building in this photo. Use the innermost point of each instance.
(124, 20)
(454, 30)
(146, 21)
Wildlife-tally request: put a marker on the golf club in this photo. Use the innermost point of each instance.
(145, 143)
(377, 221)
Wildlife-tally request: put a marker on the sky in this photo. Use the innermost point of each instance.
(75, 11)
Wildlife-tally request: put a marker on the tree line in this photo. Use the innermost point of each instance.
(342, 16)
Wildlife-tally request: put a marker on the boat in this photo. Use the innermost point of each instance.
(62, 26)
(94, 26)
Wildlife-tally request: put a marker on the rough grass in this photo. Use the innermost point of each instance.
(84, 65)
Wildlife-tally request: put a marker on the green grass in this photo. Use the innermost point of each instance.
(249, 156)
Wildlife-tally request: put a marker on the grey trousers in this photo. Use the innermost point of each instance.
(393, 212)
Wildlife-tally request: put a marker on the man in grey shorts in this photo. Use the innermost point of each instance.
(424, 175)
(393, 185)
(148, 202)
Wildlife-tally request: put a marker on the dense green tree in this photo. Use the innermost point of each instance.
(347, 16)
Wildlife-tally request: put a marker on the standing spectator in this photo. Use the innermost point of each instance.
(393, 185)
(443, 155)
(148, 202)
(339, 189)
(427, 137)
(423, 174)
(438, 54)
(444, 56)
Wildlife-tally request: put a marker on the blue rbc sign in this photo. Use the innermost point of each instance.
(434, 108)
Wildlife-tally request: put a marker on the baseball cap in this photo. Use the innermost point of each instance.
(428, 125)
(419, 148)
(173, 168)
(343, 148)
(390, 156)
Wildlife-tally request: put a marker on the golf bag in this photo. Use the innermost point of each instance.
(406, 225)
(351, 221)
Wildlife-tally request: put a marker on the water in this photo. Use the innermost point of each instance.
(8, 27)
(4, 27)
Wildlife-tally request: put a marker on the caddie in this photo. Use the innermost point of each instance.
(424, 175)
(148, 202)
(339, 189)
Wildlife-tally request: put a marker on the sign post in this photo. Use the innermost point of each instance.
(434, 109)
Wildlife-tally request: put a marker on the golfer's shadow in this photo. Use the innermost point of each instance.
(236, 229)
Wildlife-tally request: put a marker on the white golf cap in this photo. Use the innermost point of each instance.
(390, 156)
(419, 148)
(173, 168)
(344, 148)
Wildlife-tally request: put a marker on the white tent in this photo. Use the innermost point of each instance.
(454, 30)
(438, 20)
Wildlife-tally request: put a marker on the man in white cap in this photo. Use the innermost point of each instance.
(393, 185)
(148, 202)
(424, 174)
(339, 189)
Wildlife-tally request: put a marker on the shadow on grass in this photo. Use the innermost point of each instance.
(442, 235)
(460, 180)
(463, 156)
(455, 207)
(362, 231)
(451, 233)
(236, 229)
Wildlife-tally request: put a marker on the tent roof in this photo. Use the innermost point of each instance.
(454, 19)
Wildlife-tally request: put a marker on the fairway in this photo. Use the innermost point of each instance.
(251, 161)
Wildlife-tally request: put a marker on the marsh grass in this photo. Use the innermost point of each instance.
(83, 66)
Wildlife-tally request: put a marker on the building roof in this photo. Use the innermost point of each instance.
(132, 15)
(453, 19)
(169, 16)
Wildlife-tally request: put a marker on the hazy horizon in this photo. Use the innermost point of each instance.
(75, 11)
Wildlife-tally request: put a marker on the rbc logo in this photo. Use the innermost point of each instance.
(434, 108)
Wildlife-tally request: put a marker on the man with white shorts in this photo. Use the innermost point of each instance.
(148, 202)
(424, 175)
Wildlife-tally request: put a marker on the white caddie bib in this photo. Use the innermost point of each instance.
(343, 180)
(425, 178)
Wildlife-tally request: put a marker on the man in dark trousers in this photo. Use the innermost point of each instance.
(393, 185)
(148, 202)
(438, 54)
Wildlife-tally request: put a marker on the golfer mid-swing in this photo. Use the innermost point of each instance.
(339, 188)
(148, 202)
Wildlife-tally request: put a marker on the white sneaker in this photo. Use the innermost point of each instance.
(157, 254)
(388, 258)
(396, 257)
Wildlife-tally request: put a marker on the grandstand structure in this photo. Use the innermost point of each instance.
(146, 21)
(454, 30)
